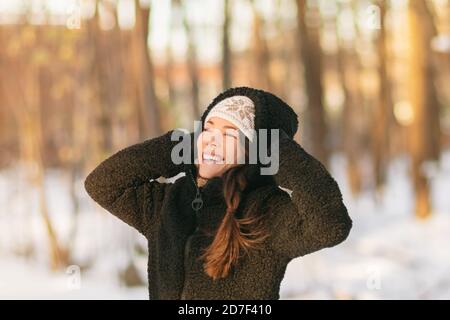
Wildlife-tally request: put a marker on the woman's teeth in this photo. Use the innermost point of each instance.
(211, 158)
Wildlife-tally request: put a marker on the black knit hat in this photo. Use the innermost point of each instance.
(270, 111)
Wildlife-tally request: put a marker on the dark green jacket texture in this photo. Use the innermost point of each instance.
(309, 216)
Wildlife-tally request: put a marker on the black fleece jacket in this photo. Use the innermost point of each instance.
(312, 217)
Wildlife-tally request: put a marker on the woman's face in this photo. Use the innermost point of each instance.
(218, 148)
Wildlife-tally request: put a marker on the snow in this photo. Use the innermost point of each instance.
(20, 280)
(388, 255)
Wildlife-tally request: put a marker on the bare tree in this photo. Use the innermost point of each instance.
(191, 60)
(424, 102)
(383, 116)
(169, 63)
(261, 63)
(29, 116)
(226, 50)
(310, 54)
(348, 68)
(144, 74)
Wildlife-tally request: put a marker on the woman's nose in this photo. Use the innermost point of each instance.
(212, 140)
(212, 144)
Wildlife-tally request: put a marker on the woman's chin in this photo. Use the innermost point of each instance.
(209, 171)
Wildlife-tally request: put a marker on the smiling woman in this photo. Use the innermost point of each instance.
(221, 153)
(219, 145)
(237, 242)
(218, 148)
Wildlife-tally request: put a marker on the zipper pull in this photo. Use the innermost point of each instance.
(197, 203)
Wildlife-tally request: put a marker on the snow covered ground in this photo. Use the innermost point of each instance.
(388, 255)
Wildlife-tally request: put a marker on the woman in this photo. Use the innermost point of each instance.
(224, 230)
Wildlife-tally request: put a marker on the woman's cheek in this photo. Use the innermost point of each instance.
(229, 152)
(200, 147)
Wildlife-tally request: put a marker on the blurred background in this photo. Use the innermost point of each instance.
(81, 79)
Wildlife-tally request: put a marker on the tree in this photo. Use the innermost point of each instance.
(144, 74)
(383, 117)
(348, 68)
(423, 139)
(191, 61)
(226, 50)
(311, 57)
(261, 51)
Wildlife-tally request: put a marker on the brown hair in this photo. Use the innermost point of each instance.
(234, 235)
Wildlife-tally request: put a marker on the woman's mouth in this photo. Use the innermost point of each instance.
(210, 158)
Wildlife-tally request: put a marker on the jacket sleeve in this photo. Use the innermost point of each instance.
(124, 183)
(314, 215)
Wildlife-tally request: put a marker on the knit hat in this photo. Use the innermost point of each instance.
(271, 112)
(239, 110)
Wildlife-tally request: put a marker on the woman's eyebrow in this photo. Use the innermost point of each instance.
(224, 127)
(229, 127)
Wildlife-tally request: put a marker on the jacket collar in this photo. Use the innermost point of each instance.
(212, 191)
(212, 196)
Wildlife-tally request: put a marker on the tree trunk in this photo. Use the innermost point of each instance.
(30, 119)
(310, 53)
(346, 67)
(192, 63)
(382, 116)
(420, 77)
(261, 64)
(144, 75)
(226, 51)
